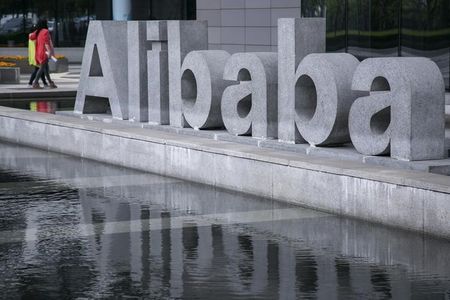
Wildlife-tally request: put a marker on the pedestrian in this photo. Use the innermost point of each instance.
(32, 59)
(44, 50)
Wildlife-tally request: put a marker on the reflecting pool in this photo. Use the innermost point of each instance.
(73, 228)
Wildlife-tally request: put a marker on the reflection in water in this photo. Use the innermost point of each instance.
(166, 250)
(190, 241)
(73, 228)
(380, 282)
(306, 273)
(246, 260)
(44, 106)
(343, 277)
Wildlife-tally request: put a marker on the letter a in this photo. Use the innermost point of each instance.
(104, 72)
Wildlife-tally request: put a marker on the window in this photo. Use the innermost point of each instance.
(368, 28)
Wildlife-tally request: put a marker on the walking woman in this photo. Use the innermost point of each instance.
(44, 50)
(32, 59)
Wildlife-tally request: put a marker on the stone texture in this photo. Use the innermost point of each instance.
(202, 87)
(285, 3)
(104, 72)
(436, 166)
(158, 73)
(257, 3)
(436, 214)
(296, 39)
(208, 4)
(323, 97)
(183, 37)
(405, 111)
(233, 17)
(250, 107)
(157, 31)
(257, 17)
(137, 71)
(257, 36)
(233, 4)
(245, 24)
(233, 35)
(345, 152)
(338, 152)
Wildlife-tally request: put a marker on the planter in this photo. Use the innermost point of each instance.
(23, 64)
(9, 75)
(61, 66)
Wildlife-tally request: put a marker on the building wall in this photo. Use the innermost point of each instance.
(364, 28)
(245, 25)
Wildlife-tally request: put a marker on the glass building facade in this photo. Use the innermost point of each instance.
(69, 19)
(371, 28)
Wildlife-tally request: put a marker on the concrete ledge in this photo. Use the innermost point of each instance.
(412, 200)
(343, 152)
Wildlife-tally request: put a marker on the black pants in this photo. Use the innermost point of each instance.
(43, 71)
(33, 76)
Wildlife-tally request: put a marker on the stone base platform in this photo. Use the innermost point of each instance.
(406, 199)
(341, 152)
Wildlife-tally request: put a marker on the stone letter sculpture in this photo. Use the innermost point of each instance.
(323, 97)
(250, 107)
(296, 39)
(158, 76)
(137, 71)
(183, 37)
(404, 113)
(202, 87)
(104, 71)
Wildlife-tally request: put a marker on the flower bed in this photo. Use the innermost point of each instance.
(62, 65)
(13, 58)
(7, 64)
(20, 61)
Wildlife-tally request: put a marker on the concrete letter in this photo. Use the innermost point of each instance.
(183, 37)
(202, 88)
(296, 39)
(137, 71)
(104, 73)
(250, 107)
(404, 113)
(158, 74)
(323, 97)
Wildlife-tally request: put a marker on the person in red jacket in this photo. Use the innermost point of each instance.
(32, 59)
(44, 50)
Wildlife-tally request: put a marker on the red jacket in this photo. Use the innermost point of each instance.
(42, 39)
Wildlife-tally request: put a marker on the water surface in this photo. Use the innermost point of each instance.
(73, 228)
